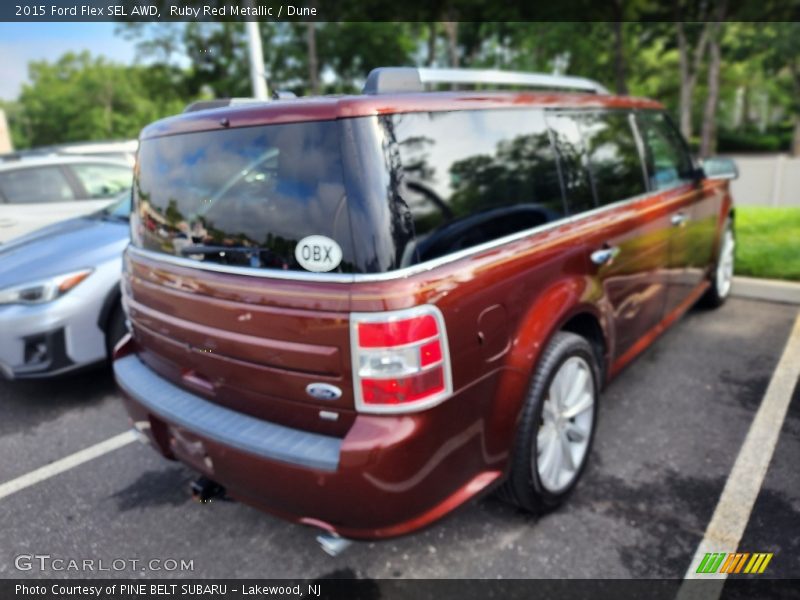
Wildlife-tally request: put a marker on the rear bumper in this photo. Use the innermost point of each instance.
(388, 476)
(223, 425)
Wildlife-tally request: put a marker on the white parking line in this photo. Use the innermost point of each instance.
(66, 463)
(727, 525)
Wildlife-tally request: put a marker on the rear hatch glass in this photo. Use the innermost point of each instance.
(390, 191)
(243, 196)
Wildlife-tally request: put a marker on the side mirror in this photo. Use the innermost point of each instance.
(718, 167)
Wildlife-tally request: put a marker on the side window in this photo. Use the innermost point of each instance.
(470, 177)
(668, 162)
(616, 166)
(572, 161)
(35, 185)
(103, 181)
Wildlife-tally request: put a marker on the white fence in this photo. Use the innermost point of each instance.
(767, 180)
(5, 135)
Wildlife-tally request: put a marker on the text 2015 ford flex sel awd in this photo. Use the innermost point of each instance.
(359, 312)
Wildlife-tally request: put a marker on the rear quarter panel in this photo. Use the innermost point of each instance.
(500, 307)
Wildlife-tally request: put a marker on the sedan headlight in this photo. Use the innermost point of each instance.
(43, 290)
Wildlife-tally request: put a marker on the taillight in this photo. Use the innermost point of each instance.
(401, 362)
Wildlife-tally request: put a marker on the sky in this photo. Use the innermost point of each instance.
(23, 42)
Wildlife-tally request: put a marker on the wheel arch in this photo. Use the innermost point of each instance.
(110, 302)
(587, 324)
(567, 305)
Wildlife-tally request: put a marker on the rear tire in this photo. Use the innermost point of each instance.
(722, 276)
(557, 425)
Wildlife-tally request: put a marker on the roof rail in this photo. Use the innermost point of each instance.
(218, 103)
(386, 80)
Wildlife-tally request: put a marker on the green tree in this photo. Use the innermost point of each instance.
(349, 51)
(674, 51)
(300, 57)
(80, 97)
(782, 61)
(219, 62)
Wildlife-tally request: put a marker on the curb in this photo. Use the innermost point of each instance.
(772, 290)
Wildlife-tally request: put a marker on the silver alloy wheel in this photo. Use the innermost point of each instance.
(566, 424)
(724, 272)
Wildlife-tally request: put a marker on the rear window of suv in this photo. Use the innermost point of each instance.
(391, 190)
(243, 196)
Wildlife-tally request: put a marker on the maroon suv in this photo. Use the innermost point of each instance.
(360, 312)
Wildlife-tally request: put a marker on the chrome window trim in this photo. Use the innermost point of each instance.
(403, 273)
(646, 152)
(633, 123)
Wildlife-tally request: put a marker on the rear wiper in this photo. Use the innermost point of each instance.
(253, 253)
(217, 249)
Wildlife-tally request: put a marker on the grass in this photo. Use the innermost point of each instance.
(768, 242)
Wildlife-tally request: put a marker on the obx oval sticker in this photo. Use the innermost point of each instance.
(318, 253)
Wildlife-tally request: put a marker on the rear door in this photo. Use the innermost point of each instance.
(671, 174)
(625, 230)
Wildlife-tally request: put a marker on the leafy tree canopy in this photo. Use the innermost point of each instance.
(80, 97)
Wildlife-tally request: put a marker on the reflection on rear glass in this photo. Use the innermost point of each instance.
(242, 196)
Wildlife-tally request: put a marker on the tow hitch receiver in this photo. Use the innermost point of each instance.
(205, 490)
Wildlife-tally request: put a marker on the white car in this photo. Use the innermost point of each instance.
(60, 305)
(38, 191)
(124, 150)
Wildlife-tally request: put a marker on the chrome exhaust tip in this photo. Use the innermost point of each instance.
(332, 544)
(204, 490)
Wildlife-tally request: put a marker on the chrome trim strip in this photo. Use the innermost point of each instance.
(248, 271)
(391, 275)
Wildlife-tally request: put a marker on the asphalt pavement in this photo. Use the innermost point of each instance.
(669, 430)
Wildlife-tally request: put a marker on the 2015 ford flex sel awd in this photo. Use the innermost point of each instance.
(359, 312)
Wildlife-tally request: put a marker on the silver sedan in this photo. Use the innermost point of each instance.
(59, 294)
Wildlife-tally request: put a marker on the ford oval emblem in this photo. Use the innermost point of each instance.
(323, 391)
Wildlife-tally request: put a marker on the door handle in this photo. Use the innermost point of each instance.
(604, 255)
(678, 219)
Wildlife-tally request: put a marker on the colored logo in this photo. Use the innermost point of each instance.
(734, 562)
